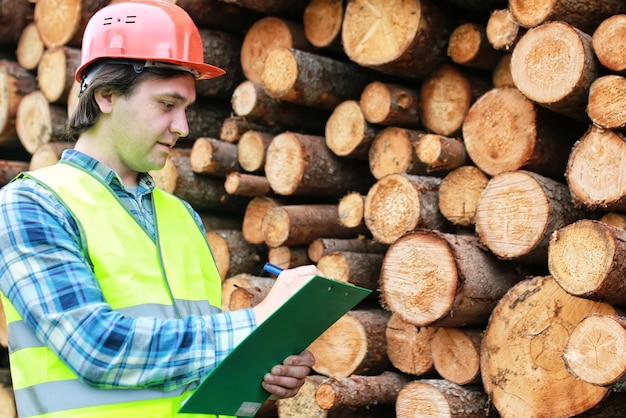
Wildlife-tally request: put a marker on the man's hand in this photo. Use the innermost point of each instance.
(285, 380)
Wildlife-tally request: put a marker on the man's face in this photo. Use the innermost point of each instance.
(146, 124)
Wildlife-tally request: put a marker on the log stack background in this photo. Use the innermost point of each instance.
(465, 159)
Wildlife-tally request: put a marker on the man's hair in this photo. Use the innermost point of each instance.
(116, 78)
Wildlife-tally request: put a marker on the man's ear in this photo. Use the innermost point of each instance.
(104, 98)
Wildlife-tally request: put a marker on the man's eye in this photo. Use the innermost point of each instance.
(168, 105)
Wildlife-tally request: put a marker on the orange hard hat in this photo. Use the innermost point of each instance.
(154, 31)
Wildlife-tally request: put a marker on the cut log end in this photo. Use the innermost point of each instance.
(345, 128)
(285, 163)
(322, 22)
(277, 84)
(459, 194)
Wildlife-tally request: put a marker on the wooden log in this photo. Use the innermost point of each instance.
(15, 15)
(288, 257)
(15, 83)
(501, 75)
(271, 6)
(233, 255)
(299, 164)
(468, 46)
(440, 398)
(49, 154)
(221, 48)
(608, 43)
(404, 39)
(584, 258)
(242, 281)
(322, 21)
(347, 133)
(394, 151)
(204, 118)
(220, 14)
(408, 346)
(584, 14)
(440, 153)
(519, 210)
(360, 269)
(594, 351)
(310, 79)
(352, 391)
(610, 407)
(617, 220)
(322, 246)
(456, 354)
(446, 95)
(301, 224)
(554, 65)
(233, 128)
(607, 102)
(304, 404)
(350, 209)
(594, 170)
(459, 193)
(429, 278)
(38, 121)
(505, 131)
(250, 100)
(251, 150)
(249, 293)
(366, 353)
(203, 193)
(475, 9)
(502, 30)
(252, 222)
(522, 367)
(30, 47)
(217, 221)
(210, 156)
(263, 36)
(246, 184)
(390, 105)
(9, 169)
(398, 203)
(60, 26)
(55, 72)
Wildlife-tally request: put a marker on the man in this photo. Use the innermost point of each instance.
(111, 293)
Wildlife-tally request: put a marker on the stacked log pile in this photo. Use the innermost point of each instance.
(464, 159)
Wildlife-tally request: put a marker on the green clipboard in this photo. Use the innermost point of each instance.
(234, 386)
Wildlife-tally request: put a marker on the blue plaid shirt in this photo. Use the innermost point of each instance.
(45, 275)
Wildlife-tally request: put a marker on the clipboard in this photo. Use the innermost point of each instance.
(234, 386)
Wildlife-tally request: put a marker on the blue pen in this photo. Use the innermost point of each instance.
(272, 269)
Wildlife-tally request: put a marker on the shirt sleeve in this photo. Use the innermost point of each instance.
(46, 276)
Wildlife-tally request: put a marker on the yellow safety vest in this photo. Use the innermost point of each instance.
(178, 277)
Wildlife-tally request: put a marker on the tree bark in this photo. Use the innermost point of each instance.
(446, 95)
(390, 105)
(429, 278)
(271, 6)
(585, 258)
(404, 39)
(9, 169)
(608, 43)
(234, 127)
(30, 47)
(38, 121)
(505, 131)
(437, 398)
(399, 203)
(49, 154)
(220, 14)
(322, 246)
(519, 210)
(233, 255)
(459, 194)
(246, 184)
(594, 351)
(394, 151)
(301, 224)
(264, 35)
(456, 354)
(594, 170)
(204, 119)
(468, 46)
(289, 257)
(350, 209)
(347, 132)
(440, 153)
(251, 150)
(221, 48)
(310, 79)
(521, 353)
(360, 269)
(213, 157)
(607, 102)
(61, 26)
(502, 31)
(408, 346)
(554, 65)
(299, 164)
(15, 15)
(217, 221)
(353, 391)
(366, 354)
(584, 14)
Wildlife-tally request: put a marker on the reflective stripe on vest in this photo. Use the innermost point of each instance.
(43, 385)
